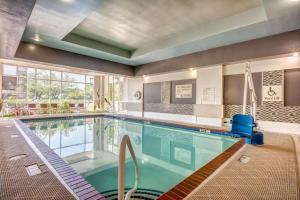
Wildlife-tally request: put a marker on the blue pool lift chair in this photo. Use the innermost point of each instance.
(243, 125)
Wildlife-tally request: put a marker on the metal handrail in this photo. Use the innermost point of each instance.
(121, 174)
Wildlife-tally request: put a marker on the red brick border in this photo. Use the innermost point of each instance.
(185, 187)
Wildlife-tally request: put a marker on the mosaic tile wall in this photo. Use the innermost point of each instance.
(184, 109)
(270, 111)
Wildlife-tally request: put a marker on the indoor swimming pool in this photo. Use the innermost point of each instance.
(166, 155)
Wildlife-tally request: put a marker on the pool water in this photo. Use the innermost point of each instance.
(166, 155)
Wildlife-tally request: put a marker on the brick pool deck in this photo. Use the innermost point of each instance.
(271, 173)
(15, 183)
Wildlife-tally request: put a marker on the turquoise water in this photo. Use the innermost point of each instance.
(166, 155)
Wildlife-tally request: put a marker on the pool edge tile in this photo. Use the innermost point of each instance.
(198, 176)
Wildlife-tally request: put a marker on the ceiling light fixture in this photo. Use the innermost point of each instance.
(296, 54)
(31, 47)
(68, 1)
(191, 69)
(36, 38)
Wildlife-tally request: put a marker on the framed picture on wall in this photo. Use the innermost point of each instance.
(184, 91)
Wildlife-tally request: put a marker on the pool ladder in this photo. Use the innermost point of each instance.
(121, 175)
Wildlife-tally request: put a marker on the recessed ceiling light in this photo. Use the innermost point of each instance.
(68, 1)
(31, 47)
(191, 69)
(296, 54)
(36, 38)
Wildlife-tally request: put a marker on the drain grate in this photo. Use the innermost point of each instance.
(33, 170)
(14, 136)
(244, 159)
(17, 157)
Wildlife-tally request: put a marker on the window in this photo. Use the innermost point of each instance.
(42, 74)
(55, 75)
(42, 90)
(55, 91)
(28, 84)
(115, 92)
(9, 70)
(70, 77)
(73, 91)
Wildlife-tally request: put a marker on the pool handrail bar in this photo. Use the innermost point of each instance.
(121, 171)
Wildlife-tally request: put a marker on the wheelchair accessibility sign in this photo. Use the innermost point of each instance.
(273, 93)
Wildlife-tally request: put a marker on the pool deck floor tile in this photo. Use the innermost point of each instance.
(270, 174)
(15, 183)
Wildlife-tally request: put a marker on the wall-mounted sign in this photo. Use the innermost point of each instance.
(273, 93)
(184, 91)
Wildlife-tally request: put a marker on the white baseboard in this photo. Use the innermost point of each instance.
(135, 113)
(173, 117)
(210, 121)
(279, 127)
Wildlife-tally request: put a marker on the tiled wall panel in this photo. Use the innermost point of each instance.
(183, 109)
(270, 111)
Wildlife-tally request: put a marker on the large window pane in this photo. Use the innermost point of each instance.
(22, 85)
(89, 92)
(25, 84)
(31, 88)
(90, 79)
(9, 70)
(42, 74)
(9, 83)
(73, 91)
(73, 77)
(55, 90)
(22, 71)
(55, 75)
(42, 90)
(30, 72)
(10, 97)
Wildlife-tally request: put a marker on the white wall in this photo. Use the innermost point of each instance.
(210, 77)
(134, 84)
(131, 85)
(190, 74)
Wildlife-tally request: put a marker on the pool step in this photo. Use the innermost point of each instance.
(141, 193)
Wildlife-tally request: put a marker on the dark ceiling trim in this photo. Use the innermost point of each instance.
(14, 15)
(275, 45)
(44, 54)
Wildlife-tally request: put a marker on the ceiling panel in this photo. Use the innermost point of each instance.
(13, 19)
(136, 32)
(130, 24)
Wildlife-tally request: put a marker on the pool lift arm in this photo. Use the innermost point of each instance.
(248, 84)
